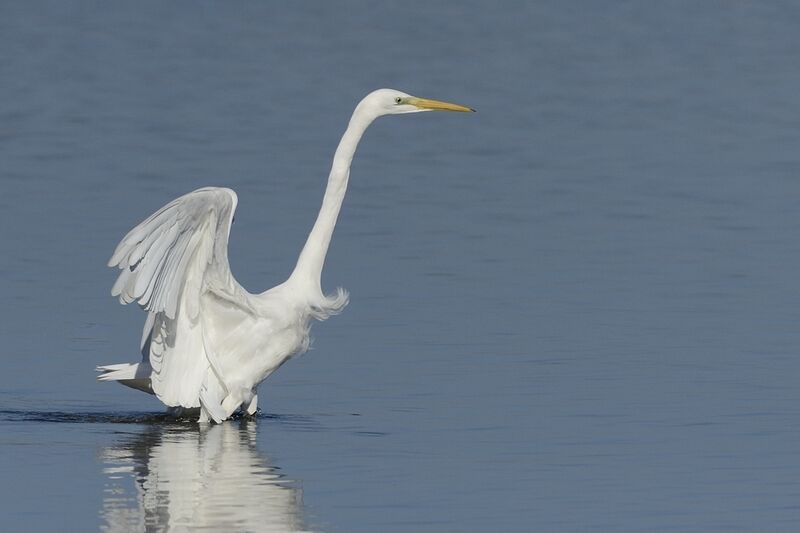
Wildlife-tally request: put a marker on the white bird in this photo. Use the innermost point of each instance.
(208, 343)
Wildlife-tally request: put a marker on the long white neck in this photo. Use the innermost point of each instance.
(308, 271)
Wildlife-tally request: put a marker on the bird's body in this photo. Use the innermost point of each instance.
(207, 342)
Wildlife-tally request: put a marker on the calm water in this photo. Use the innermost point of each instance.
(576, 309)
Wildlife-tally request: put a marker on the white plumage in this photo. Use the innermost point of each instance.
(208, 343)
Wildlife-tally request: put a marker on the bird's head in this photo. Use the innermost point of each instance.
(392, 102)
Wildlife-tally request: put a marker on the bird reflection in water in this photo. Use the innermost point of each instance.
(182, 478)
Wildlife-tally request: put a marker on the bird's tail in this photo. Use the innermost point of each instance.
(134, 375)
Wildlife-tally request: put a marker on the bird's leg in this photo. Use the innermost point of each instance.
(253, 405)
(232, 402)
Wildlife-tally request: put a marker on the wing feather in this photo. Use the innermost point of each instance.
(155, 256)
(167, 263)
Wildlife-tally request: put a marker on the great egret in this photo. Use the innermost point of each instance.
(208, 343)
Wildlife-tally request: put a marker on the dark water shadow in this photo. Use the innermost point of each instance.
(139, 417)
(91, 417)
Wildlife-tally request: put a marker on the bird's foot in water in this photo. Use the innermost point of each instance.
(247, 415)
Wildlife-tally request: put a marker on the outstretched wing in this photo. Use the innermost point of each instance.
(170, 263)
(188, 235)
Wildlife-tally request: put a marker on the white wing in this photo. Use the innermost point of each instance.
(188, 234)
(169, 262)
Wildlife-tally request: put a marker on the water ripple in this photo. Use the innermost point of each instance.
(134, 417)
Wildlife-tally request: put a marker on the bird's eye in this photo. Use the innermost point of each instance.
(398, 100)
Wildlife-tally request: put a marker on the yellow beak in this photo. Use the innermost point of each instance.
(436, 105)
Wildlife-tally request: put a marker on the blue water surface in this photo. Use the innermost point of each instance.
(573, 310)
